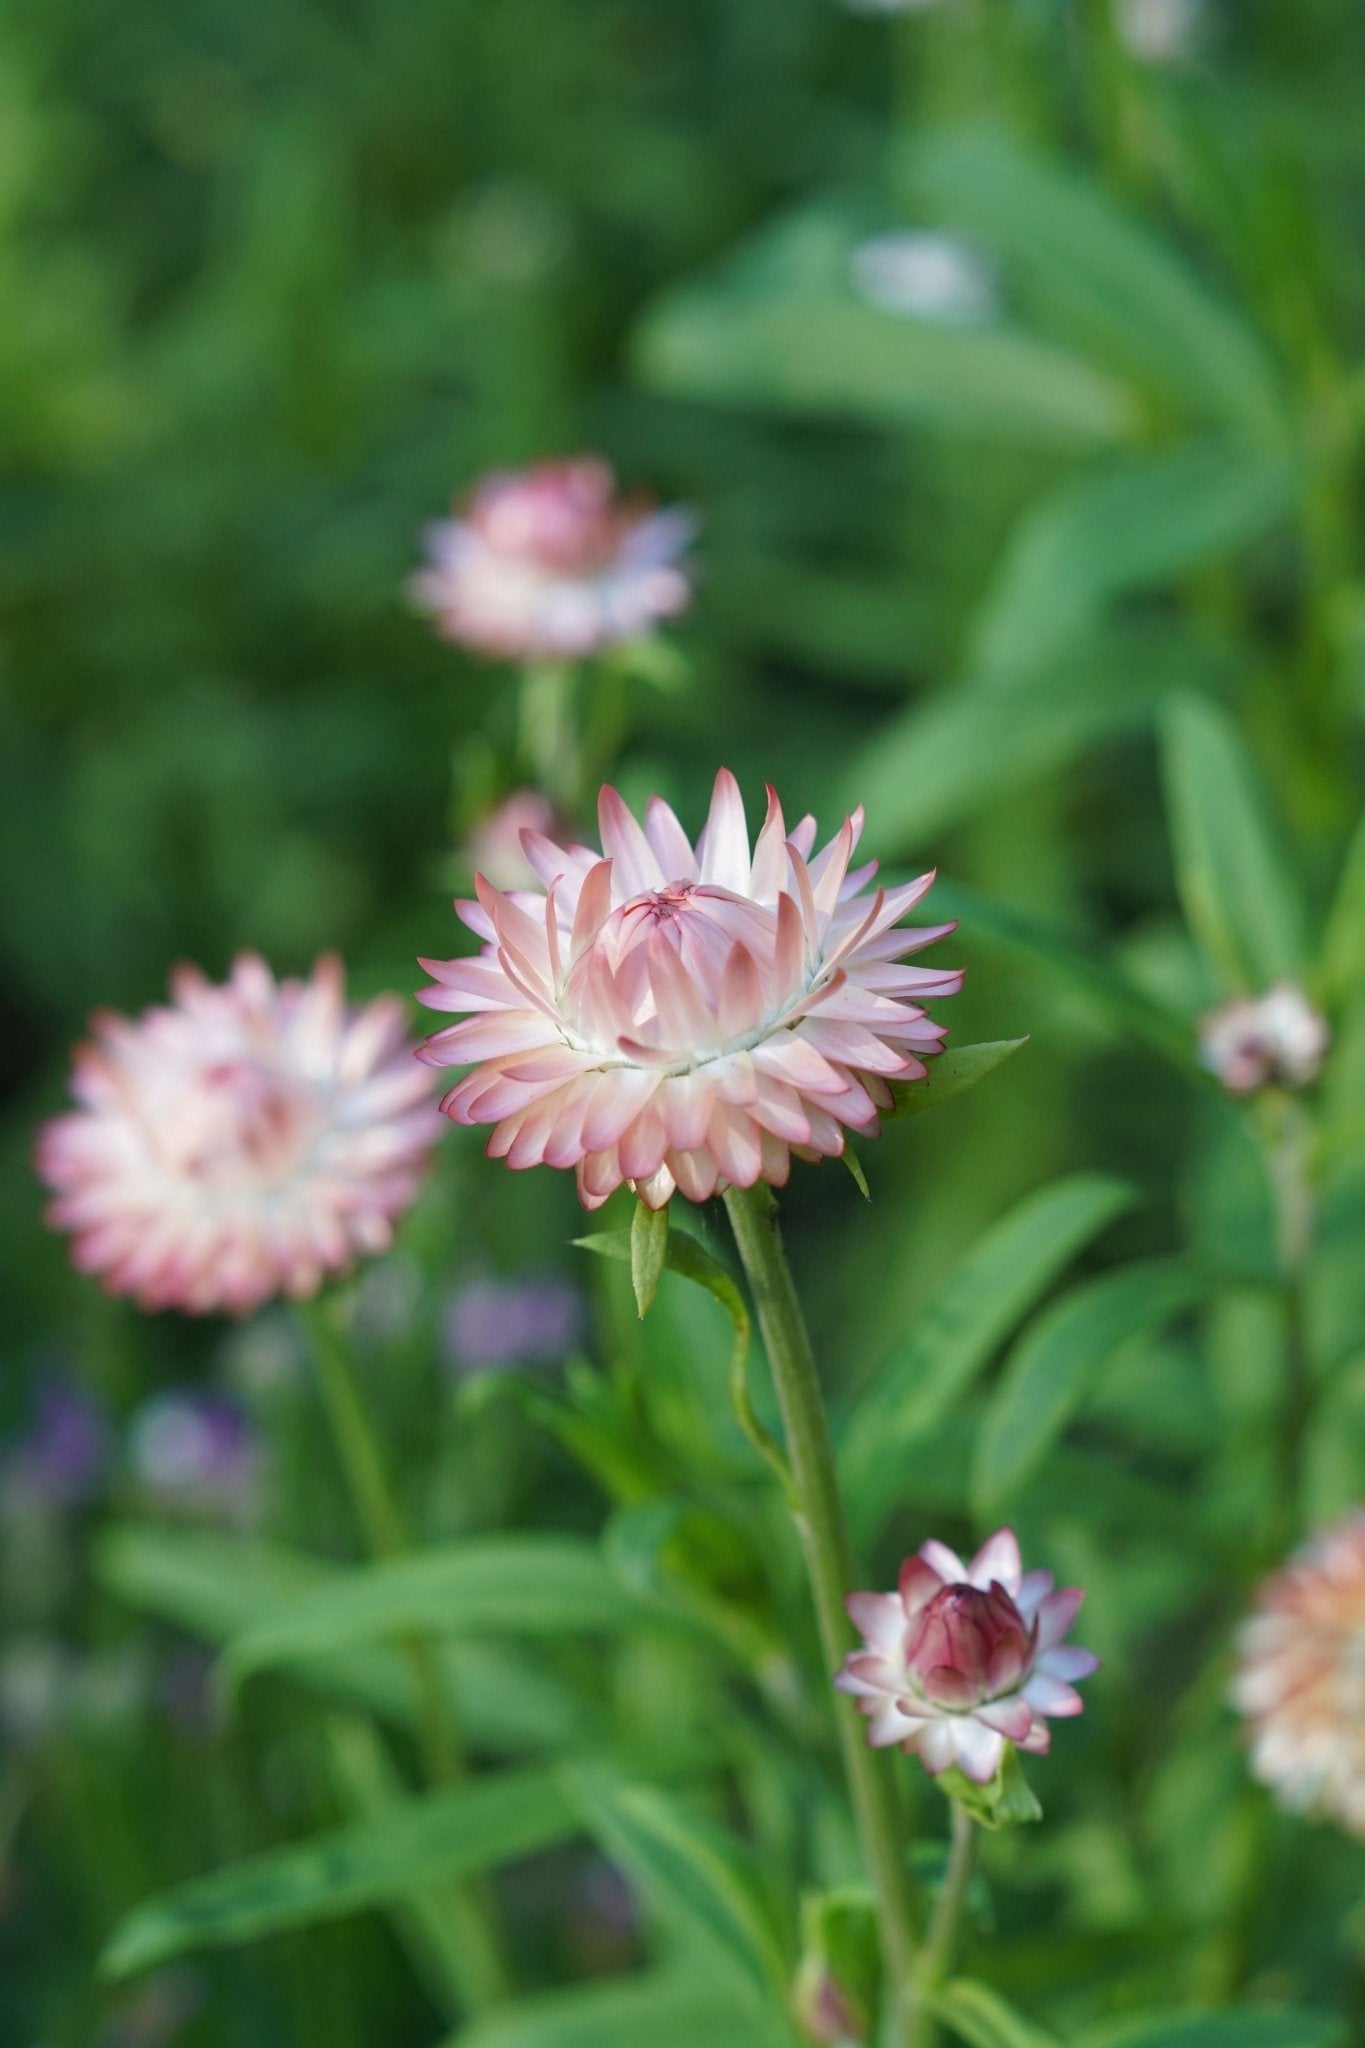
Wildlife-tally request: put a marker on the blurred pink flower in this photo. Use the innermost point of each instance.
(966, 1657)
(240, 1142)
(1300, 1677)
(680, 1018)
(1254, 1041)
(550, 563)
(494, 849)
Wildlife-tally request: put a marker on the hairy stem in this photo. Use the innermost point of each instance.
(820, 1519)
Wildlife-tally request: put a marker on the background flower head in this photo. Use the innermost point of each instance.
(552, 562)
(963, 1658)
(686, 1017)
(1300, 1677)
(240, 1142)
(1253, 1042)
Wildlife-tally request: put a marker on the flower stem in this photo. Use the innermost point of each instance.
(1287, 1136)
(485, 1979)
(820, 1519)
(549, 743)
(936, 1958)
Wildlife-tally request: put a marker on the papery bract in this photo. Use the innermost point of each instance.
(964, 1658)
(686, 1018)
(551, 563)
(240, 1142)
(1300, 1677)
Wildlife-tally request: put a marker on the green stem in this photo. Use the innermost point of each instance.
(485, 1978)
(1288, 1142)
(549, 743)
(820, 1520)
(936, 1958)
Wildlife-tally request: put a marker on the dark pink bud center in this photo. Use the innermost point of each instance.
(967, 1646)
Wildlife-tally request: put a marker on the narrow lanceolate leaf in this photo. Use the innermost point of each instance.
(676, 2009)
(959, 1330)
(1342, 969)
(691, 1871)
(952, 1073)
(1056, 1362)
(648, 1253)
(534, 1585)
(1069, 963)
(1243, 2026)
(980, 2017)
(1238, 890)
(452, 1834)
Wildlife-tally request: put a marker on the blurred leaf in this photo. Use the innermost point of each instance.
(660, 2010)
(1008, 1801)
(216, 1586)
(449, 1834)
(1342, 969)
(1102, 277)
(949, 757)
(493, 1585)
(1239, 895)
(951, 1073)
(1058, 1357)
(979, 2017)
(691, 1869)
(1079, 968)
(959, 1329)
(648, 1253)
(1126, 527)
(779, 326)
(1246, 2026)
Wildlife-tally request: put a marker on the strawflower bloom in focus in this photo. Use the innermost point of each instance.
(550, 563)
(1301, 1677)
(1253, 1042)
(686, 1018)
(964, 1658)
(240, 1142)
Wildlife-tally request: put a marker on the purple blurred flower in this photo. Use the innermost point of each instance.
(493, 1324)
(196, 1451)
(60, 1459)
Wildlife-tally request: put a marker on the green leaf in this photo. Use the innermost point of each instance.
(1079, 968)
(673, 2009)
(1130, 526)
(951, 1073)
(1342, 971)
(449, 1835)
(218, 1585)
(979, 2017)
(648, 1253)
(1057, 1359)
(778, 326)
(690, 1869)
(1243, 2026)
(960, 1329)
(1093, 273)
(1007, 1802)
(1239, 894)
(491, 1585)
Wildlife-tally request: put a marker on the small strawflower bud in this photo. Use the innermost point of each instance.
(964, 1658)
(1254, 1042)
(1300, 1677)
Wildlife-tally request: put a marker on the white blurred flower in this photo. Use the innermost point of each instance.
(1160, 31)
(1254, 1041)
(924, 274)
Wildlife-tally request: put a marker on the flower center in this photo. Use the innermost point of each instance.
(237, 1122)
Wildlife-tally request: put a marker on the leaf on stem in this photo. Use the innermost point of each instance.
(951, 1073)
(648, 1253)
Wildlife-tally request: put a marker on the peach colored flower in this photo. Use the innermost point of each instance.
(964, 1658)
(1300, 1677)
(1254, 1041)
(240, 1142)
(686, 1018)
(550, 563)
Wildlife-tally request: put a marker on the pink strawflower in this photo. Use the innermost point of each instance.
(550, 563)
(494, 846)
(965, 1658)
(680, 1018)
(1301, 1677)
(1254, 1041)
(240, 1142)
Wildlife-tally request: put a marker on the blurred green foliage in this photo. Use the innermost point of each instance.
(1070, 597)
